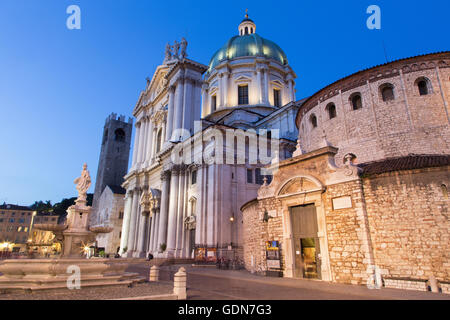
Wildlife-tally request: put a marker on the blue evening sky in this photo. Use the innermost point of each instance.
(57, 86)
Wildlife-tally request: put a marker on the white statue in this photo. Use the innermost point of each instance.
(183, 53)
(176, 48)
(83, 183)
(168, 52)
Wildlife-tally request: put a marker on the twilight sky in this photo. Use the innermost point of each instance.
(57, 86)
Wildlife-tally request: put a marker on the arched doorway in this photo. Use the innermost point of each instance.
(304, 228)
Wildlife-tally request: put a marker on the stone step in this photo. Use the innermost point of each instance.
(39, 284)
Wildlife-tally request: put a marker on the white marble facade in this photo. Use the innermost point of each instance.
(172, 208)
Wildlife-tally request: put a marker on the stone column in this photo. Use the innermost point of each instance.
(266, 86)
(156, 231)
(205, 102)
(170, 113)
(148, 149)
(163, 133)
(199, 217)
(132, 228)
(180, 214)
(291, 91)
(162, 224)
(152, 232)
(178, 115)
(172, 222)
(126, 221)
(187, 105)
(155, 133)
(147, 140)
(141, 141)
(259, 81)
(140, 247)
(136, 143)
(225, 88)
(211, 207)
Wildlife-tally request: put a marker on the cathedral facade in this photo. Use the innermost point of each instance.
(191, 208)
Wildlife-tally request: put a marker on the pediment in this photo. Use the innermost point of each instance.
(240, 116)
(277, 83)
(243, 78)
(299, 185)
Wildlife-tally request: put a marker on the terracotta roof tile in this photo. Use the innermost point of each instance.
(410, 162)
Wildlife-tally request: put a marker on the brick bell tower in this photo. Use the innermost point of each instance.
(114, 154)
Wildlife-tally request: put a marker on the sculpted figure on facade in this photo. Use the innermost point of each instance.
(183, 53)
(190, 222)
(168, 54)
(176, 48)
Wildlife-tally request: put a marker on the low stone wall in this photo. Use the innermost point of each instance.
(405, 284)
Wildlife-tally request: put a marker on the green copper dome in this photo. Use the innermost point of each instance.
(248, 45)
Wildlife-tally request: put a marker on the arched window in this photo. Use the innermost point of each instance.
(158, 140)
(251, 30)
(356, 101)
(313, 120)
(331, 109)
(387, 92)
(246, 30)
(424, 86)
(119, 135)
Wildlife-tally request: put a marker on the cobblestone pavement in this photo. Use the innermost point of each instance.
(209, 283)
(99, 293)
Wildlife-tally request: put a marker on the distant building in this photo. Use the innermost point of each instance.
(42, 242)
(110, 213)
(15, 224)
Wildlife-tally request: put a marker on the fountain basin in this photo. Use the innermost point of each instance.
(51, 227)
(44, 274)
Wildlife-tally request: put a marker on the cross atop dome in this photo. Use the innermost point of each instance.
(247, 26)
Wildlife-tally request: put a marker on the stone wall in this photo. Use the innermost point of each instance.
(405, 284)
(409, 223)
(346, 232)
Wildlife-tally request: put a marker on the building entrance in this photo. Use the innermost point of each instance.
(305, 242)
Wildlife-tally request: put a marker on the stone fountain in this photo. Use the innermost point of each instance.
(74, 235)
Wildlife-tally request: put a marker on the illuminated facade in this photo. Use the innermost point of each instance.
(15, 223)
(193, 209)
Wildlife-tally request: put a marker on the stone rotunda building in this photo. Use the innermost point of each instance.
(365, 198)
